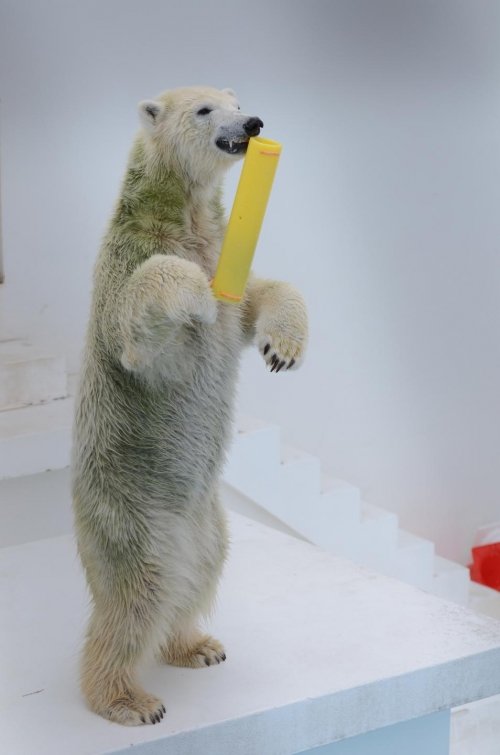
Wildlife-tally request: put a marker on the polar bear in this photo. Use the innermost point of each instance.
(154, 404)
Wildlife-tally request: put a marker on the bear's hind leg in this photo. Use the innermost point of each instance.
(117, 638)
(184, 643)
(188, 646)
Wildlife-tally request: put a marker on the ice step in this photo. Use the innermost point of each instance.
(363, 541)
(300, 472)
(379, 523)
(236, 501)
(253, 462)
(326, 511)
(299, 487)
(325, 518)
(307, 501)
(365, 538)
(412, 561)
(329, 516)
(450, 581)
(374, 539)
(335, 520)
(484, 600)
(35, 438)
(29, 376)
(338, 501)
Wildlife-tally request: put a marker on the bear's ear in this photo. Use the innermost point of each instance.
(230, 92)
(149, 110)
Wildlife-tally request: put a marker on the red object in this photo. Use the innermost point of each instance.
(485, 567)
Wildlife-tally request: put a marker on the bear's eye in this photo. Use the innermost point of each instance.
(204, 111)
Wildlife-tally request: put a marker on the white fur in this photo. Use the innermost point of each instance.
(154, 406)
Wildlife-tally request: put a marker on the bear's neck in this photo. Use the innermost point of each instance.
(158, 207)
(154, 170)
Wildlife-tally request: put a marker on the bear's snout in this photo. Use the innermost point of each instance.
(253, 126)
(233, 136)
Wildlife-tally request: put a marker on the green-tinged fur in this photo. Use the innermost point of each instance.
(151, 208)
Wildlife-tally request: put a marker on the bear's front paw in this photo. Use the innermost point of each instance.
(282, 328)
(282, 344)
(280, 352)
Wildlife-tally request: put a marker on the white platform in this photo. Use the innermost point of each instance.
(318, 650)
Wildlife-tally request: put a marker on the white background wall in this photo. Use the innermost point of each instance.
(385, 212)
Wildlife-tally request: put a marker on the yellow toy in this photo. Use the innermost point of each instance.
(246, 218)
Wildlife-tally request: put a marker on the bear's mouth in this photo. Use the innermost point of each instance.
(233, 146)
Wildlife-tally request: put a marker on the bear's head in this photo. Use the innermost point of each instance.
(199, 131)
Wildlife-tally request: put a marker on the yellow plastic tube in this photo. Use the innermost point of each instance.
(246, 218)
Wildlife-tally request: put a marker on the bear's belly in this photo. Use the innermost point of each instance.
(161, 441)
(180, 446)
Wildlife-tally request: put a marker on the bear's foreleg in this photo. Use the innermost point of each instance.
(275, 316)
(163, 295)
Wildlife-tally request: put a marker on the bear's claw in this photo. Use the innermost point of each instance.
(282, 342)
(274, 362)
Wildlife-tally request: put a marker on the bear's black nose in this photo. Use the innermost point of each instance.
(253, 126)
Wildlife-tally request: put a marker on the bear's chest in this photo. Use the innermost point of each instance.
(203, 233)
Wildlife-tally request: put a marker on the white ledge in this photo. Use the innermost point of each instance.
(318, 650)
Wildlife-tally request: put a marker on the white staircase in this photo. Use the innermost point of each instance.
(288, 484)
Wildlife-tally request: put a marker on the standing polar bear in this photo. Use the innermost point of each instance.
(154, 406)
